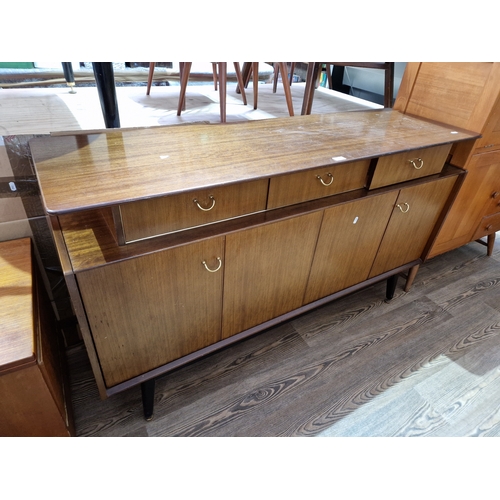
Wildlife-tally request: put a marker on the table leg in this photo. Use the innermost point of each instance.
(105, 82)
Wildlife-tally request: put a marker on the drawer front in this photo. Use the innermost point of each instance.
(409, 165)
(318, 183)
(488, 225)
(148, 218)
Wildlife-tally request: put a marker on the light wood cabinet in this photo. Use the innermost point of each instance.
(284, 242)
(34, 389)
(466, 96)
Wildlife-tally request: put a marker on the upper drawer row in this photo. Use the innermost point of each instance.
(156, 216)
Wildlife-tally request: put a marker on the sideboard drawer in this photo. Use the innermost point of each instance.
(409, 165)
(317, 183)
(488, 225)
(156, 216)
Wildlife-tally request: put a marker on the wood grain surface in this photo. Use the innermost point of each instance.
(17, 336)
(117, 167)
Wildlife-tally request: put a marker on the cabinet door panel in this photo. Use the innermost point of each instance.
(147, 311)
(266, 271)
(413, 218)
(349, 239)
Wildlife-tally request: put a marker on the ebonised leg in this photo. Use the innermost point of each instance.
(105, 83)
(148, 398)
(391, 286)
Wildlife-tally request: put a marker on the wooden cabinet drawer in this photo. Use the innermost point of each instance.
(147, 218)
(488, 225)
(317, 183)
(409, 165)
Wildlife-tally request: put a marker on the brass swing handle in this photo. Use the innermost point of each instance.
(414, 163)
(404, 210)
(205, 209)
(213, 270)
(323, 182)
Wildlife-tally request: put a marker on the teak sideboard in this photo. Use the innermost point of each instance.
(177, 241)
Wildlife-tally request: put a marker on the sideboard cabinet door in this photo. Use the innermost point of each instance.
(348, 242)
(148, 311)
(413, 218)
(266, 272)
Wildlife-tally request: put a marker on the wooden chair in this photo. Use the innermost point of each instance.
(221, 76)
(250, 69)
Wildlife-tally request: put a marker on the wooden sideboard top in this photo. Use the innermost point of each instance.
(16, 305)
(83, 171)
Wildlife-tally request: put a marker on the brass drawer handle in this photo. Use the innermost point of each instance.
(213, 270)
(205, 209)
(414, 163)
(323, 182)
(403, 210)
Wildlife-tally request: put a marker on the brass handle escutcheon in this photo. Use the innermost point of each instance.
(414, 163)
(323, 182)
(402, 209)
(213, 270)
(205, 209)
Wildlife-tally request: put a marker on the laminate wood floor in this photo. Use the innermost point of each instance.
(426, 363)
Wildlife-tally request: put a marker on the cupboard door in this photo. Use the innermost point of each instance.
(151, 310)
(266, 271)
(348, 242)
(413, 218)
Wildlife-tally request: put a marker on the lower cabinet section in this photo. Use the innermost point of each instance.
(197, 294)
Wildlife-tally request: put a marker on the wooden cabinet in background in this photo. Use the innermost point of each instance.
(295, 220)
(34, 394)
(466, 96)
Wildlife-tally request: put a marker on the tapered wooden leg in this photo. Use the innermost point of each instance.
(214, 71)
(391, 286)
(276, 75)
(411, 276)
(150, 76)
(186, 69)
(312, 75)
(222, 90)
(148, 398)
(241, 85)
(490, 244)
(286, 87)
(255, 71)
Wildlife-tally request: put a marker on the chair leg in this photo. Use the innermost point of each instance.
(214, 70)
(276, 75)
(186, 69)
(241, 85)
(286, 87)
(222, 90)
(150, 76)
(292, 69)
(255, 71)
